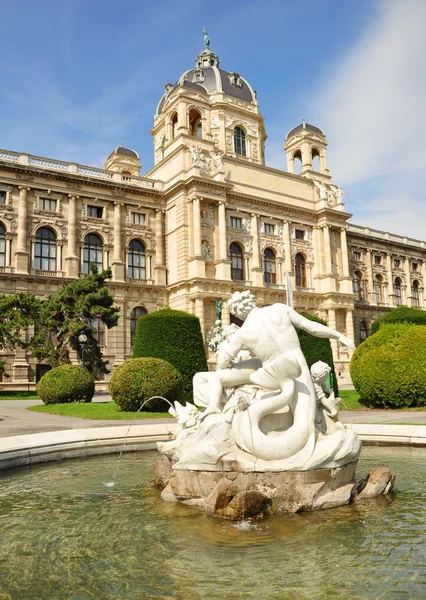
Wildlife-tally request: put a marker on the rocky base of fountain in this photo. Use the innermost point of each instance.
(240, 495)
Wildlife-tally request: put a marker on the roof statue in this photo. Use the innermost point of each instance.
(206, 38)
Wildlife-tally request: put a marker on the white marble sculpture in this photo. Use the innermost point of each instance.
(262, 404)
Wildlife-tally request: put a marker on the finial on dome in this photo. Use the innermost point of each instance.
(122, 145)
(206, 38)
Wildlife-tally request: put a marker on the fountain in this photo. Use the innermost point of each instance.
(269, 439)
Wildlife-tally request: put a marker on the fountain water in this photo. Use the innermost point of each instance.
(113, 482)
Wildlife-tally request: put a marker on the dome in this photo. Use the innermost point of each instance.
(125, 152)
(207, 78)
(304, 127)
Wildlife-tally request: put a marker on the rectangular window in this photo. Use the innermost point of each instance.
(415, 266)
(138, 219)
(48, 204)
(96, 212)
(377, 260)
(236, 222)
(396, 263)
(97, 327)
(356, 255)
(2, 197)
(269, 229)
(299, 234)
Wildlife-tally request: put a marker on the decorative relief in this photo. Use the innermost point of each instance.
(214, 121)
(246, 105)
(229, 143)
(245, 240)
(207, 215)
(206, 251)
(254, 151)
(201, 161)
(301, 246)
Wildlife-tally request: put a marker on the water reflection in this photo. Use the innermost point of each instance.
(63, 534)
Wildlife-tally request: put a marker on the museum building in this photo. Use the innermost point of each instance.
(208, 219)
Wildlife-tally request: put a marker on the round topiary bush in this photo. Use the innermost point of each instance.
(388, 369)
(315, 349)
(174, 336)
(403, 314)
(138, 379)
(67, 383)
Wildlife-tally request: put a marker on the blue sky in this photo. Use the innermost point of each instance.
(82, 76)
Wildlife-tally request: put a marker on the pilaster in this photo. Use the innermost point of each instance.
(160, 268)
(118, 266)
(223, 265)
(257, 270)
(21, 254)
(71, 259)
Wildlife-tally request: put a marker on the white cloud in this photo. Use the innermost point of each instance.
(372, 103)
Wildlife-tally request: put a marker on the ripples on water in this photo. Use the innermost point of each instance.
(64, 535)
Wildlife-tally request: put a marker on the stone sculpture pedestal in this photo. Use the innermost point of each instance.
(240, 495)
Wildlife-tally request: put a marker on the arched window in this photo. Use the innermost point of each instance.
(136, 260)
(357, 285)
(316, 164)
(378, 288)
(125, 173)
(300, 270)
(237, 262)
(240, 141)
(195, 124)
(269, 266)
(137, 312)
(363, 331)
(297, 159)
(397, 291)
(92, 252)
(45, 250)
(415, 293)
(2, 246)
(174, 121)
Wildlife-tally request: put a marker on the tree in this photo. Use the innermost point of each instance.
(65, 315)
(17, 313)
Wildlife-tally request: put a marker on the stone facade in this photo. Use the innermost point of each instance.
(208, 219)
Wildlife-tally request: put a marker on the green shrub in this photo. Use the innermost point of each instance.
(67, 383)
(315, 349)
(388, 369)
(174, 336)
(403, 314)
(139, 379)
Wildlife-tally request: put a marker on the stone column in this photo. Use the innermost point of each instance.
(332, 324)
(287, 247)
(72, 260)
(350, 325)
(223, 248)
(121, 331)
(290, 163)
(226, 316)
(344, 251)
(21, 254)
(118, 265)
(327, 250)
(59, 246)
(257, 270)
(160, 267)
(371, 294)
(182, 118)
(408, 297)
(316, 243)
(8, 257)
(196, 226)
(391, 296)
(199, 312)
(223, 265)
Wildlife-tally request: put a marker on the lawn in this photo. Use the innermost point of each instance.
(350, 400)
(20, 395)
(95, 410)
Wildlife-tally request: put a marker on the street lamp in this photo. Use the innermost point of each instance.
(82, 339)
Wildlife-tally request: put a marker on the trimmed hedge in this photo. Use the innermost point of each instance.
(139, 379)
(174, 336)
(67, 383)
(403, 314)
(388, 369)
(315, 349)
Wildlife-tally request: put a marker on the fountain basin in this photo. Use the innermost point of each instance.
(65, 535)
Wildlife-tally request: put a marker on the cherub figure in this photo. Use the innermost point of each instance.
(327, 405)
